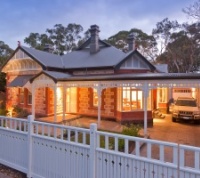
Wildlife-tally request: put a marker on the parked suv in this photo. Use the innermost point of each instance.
(185, 108)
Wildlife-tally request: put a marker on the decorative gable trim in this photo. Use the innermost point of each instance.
(41, 80)
(42, 76)
(21, 62)
(143, 63)
(22, 54)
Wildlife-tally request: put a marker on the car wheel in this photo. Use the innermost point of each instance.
(173, 119)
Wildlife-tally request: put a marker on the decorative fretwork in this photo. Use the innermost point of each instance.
(19, 65)
(143, 85)
(43, 81)
(20, 55)
(21, 62)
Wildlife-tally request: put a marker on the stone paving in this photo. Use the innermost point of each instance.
(182, 132)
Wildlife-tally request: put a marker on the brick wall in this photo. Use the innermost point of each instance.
(12, 96)
(40, 101)
(109, 98)
(136, 117)
(50, 101)
(108, 102)
(84, 100)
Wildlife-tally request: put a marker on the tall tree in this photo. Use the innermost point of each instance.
(145, 43)
(183, 49)
(163, 31)
(193, 10)
(38, 41)
(64, 39)
(5, 51)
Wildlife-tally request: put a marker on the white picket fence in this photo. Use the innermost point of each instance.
(43, 150)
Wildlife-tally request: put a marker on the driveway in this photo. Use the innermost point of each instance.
(182, 132)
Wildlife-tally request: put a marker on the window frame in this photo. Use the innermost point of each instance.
(21, 95)
(128, 104)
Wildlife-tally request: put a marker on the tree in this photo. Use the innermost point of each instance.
(5, 51)
(163, 31)
(38, 41)
(146, 44)
(182, 51)
(193, 10)
(63, 39)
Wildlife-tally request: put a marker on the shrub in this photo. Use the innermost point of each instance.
(131, 130)
(19, 112)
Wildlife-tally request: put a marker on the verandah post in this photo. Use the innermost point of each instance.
(30, 132)
(92, 169)
(146, 94)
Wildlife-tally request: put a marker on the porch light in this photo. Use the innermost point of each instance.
(10, 111)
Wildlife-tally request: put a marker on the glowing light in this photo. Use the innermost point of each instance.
(10, 111)
(59, 92)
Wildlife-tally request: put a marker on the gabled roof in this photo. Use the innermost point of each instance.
(135, 52)
(55, 76)
(43, 58)
(106, 57)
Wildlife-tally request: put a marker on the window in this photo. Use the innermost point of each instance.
(21, 95)
(162, 95)
(25, 96)
(29, 98)
(131, 98)
(95, 98)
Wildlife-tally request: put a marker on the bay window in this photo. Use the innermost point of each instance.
(132, 99)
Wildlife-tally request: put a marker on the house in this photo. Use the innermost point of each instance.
(95, 80)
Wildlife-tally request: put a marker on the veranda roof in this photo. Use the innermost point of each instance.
(59, 76)
(20, 81)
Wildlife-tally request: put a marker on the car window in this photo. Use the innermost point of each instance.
(191, 103)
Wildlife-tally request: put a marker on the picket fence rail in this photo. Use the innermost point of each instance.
(44, 150)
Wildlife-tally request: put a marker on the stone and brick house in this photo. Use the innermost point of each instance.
(94, 80)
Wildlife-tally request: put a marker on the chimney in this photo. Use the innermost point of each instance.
(94, 43)
(131, 42)
(48, 48)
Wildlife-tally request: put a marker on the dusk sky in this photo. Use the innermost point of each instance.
(18, 18)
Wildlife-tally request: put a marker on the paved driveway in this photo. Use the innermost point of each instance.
(181, 132)
(164, 129)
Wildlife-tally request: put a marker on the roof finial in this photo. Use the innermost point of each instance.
(19, 43)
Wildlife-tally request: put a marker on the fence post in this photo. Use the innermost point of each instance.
(93, 130)
(30, 132)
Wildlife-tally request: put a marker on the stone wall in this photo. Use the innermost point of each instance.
(108, 105)
(40, 101)
(109, 98)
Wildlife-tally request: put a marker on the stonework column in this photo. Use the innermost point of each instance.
(55, 104)
(33, 100)
(99, 91)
